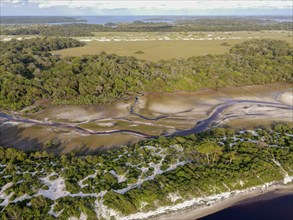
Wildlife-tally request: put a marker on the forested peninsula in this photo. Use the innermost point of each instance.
(29, 72)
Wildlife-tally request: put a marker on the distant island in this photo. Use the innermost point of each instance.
(38, 19)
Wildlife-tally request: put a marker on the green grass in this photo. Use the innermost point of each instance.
(155, 50)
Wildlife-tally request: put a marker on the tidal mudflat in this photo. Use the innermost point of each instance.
(86, 128)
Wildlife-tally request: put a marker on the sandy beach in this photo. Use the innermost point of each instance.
(249, 195)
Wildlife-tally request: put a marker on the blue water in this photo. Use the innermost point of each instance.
(129, 19)
(278, 208)
(168, 19)
(123, 19)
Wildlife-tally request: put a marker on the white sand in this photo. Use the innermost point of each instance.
(76, 113)
(287, 98)
(3, 194)
(56, 188)
(225, 202)
(170, 107)
(254, 111)
(106, 124)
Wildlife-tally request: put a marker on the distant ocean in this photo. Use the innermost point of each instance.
(130, 19)
(278, 208)
(162, 18)
(169, 19)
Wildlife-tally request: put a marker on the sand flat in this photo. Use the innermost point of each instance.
(180, 110)
(287, 98)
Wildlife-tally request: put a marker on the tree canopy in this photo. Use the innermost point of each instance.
(144, 176)
(28, 72)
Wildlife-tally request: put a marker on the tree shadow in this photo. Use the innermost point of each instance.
(86, 150)
(11, 136)
(18, 137)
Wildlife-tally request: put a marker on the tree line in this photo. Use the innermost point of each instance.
(28, 72)
(203, 24)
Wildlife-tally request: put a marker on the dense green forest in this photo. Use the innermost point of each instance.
(37, 19)
(234, 24)
(28, 72)
(142, 177)
(203, 24)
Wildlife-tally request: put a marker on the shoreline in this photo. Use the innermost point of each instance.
(199, 207)
(241, 197)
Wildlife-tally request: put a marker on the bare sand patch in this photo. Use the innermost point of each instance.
(122, 106)
(71, 113)
(142, 103)
(170, 103)
(82, 113)
(171, 107)
(252, 114)
(105, 124)
(287, 98)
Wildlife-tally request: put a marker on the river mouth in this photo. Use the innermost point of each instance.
(88, 129)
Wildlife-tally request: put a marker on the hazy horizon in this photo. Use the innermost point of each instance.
(264, 15)
(145, 8)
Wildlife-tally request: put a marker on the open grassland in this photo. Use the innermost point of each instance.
(158, 46)
(152, 50)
